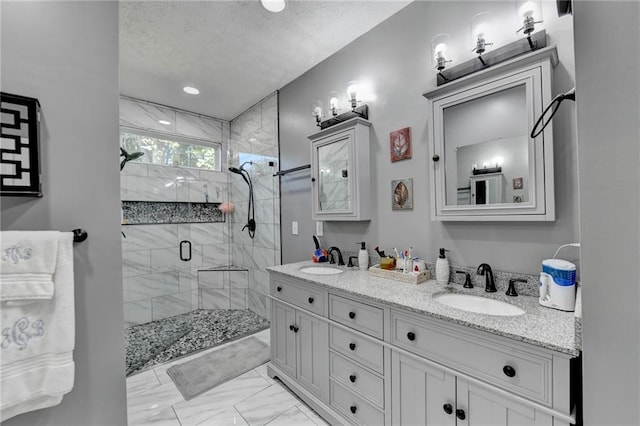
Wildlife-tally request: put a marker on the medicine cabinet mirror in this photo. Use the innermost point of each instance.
(340, 172)
(484, 165)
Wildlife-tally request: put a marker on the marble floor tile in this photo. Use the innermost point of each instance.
(141, 383)
(220, 399)
(266, 405)
(292, 417)
(250, 399)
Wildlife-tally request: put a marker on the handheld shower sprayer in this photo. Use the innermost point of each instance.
(251, 223)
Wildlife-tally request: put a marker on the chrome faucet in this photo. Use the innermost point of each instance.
(332, 260)
(485, 269)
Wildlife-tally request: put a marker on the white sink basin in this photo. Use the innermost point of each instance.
(478, 305)
(321, 270)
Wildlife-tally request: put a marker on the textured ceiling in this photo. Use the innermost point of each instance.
(235, 51)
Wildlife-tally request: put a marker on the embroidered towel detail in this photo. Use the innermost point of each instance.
(28, 263)
(37, 341)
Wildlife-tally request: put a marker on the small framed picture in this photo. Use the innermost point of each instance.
(400, 144)
(402, 194)
(517, 183)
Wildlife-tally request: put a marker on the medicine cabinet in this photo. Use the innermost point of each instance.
(484, 165)
(340, 172)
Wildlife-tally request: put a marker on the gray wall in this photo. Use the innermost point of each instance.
(608, 107)
(395, 57)
(66, 55)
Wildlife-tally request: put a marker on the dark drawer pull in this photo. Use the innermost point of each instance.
(310, 300)
(460, 414)
(278, 288)
(352, 315)
(352, 378)
(352, 346)
(447, 408)
(411, 336)
(354, 409)
(291, 327)
(509, 371)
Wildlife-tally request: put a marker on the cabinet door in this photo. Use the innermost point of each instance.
(482, 407)
(283, 338)
(421, 394)
(313, 354)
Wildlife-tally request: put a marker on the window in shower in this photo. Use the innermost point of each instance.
(170, 150)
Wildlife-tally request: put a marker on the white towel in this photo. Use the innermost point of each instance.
(28, 263)
(37, 341)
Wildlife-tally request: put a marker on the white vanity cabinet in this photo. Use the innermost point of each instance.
(363, 362)
(298, 338)
(340, 172)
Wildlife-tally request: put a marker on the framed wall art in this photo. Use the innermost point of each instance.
(402, 194)
(400, 144)
(20, 146)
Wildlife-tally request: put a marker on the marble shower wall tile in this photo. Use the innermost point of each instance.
(215, 299)
(198, 126)
(168, 306)
(172, 173)
(137, 312)
(207, 233)
(238, 298)
(141, 188)
(239, 279)
(213, 280)
(144, 115)
(145, 237)
(150, 286)
(136, 263)
(135, 169)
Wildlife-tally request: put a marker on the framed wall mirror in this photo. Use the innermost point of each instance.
(484, 164)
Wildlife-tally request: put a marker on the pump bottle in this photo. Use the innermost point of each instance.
(442, 268)
(363, 257)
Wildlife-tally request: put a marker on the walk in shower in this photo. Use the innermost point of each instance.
(193, 278)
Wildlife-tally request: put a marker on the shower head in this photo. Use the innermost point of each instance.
(242, 172)
(235, 170)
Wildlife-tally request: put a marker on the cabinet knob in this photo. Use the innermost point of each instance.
(278, 288)
(411, 336)
(353, 409)
(352, 315)
(291, 327)
(352, 346)
(352, 378)
(509, 371)
(460, 414)
(436, 157)
(447, 408)
(313, 179)
(311, 300)
(295, 329)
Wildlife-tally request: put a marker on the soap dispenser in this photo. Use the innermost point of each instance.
(363, 257)
(442, 268)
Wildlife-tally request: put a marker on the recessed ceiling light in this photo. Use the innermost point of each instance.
(191, 90)
(252, 139)
(273, 5)
(165, 122)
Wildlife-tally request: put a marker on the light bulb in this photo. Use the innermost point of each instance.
(273, 5)
(333, 102)
(440, 51)
(527, 10)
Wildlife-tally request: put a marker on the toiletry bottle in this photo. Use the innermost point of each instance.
(442, 268)
(363, 257)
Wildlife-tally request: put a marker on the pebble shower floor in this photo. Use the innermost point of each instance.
(163, 340)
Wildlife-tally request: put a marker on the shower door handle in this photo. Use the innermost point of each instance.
(185, 250)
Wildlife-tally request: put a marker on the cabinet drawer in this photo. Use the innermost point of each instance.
(353, 406)
(300, 295)
(522, 372)
(357, 348)
(356, 378)
(360, 316)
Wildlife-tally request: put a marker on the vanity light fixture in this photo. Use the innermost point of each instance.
(274, 6)
(352, 92)
(191, 90)
(481, 25)
(317, 113)
(439, 48)
(528, 11)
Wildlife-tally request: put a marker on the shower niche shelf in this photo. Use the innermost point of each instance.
(160, 212)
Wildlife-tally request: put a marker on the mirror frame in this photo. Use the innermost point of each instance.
(534, 70)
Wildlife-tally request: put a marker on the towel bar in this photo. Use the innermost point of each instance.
(79, 235)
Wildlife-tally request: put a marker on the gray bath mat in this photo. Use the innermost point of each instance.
(207, 371)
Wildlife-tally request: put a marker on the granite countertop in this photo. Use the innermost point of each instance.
(540, 326)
